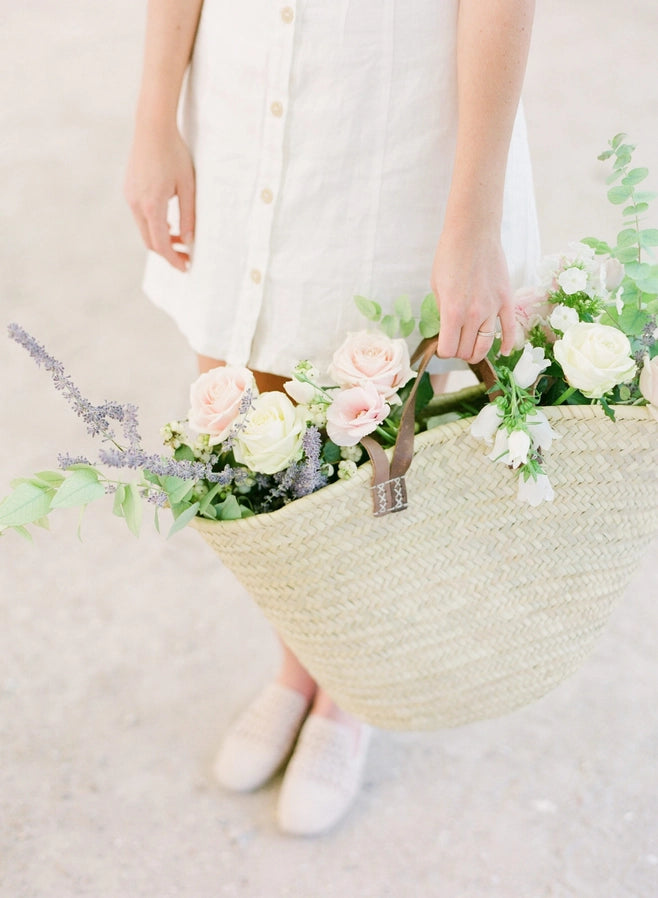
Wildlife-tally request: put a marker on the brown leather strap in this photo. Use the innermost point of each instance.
(389, 488)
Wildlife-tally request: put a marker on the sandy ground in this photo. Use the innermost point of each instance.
(122, 661)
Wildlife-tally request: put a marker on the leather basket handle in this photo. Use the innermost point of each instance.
(388, 485)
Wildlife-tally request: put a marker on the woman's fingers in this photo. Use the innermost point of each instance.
(186, 193)
(156, 216)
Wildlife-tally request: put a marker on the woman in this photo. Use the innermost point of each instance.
(328, 149)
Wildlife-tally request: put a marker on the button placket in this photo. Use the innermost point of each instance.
(270, 170)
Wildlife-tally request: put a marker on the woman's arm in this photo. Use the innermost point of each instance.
(160, 165)
(469, 274)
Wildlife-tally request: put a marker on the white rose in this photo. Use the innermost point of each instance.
(530, 366)
(573, 280)
(562, 317)
(487, 422)
(594, 358)
(271, 438)
(534, 492)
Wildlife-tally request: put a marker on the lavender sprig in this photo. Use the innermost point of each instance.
(96, 417)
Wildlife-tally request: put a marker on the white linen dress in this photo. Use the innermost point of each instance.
(322, 133)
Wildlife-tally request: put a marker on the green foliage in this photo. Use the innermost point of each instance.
(331, 453)
(369, 309)
(429, 316)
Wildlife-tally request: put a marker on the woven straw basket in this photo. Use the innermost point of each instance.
(467, 604)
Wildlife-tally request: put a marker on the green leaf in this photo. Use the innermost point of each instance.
(599, 246)
(632, 320)
(368, 307)
(645, 196)
(627, 237)
(331, 453)
(390, 325)
(52, 478)
(429, 316)
(610, 412)
(424, 392)
(119, 497)
(177, 489)
(132, 508)
(618, 195)
(635, 176)
(183, 519)
(184, 453)
(25, 504)
(649, 237)
(210, 495)
(80, 488)
(24, 532)
(407, 327)
(637, 209)
(156, 519)
(402, 308)
(644, 275)
(229, 509)
(615, 142)
(625, 254)
(606, 154)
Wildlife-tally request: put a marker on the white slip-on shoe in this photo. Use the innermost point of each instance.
(261, 738)
(323, 776)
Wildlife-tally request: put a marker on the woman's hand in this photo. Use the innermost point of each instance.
(471, 284)
(160, 167)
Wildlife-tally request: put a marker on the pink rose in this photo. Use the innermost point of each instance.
(530, 309)
(649, 383)
(354, 413)
(216, 398)
(367, 357)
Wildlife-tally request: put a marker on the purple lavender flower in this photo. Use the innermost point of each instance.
(66, 461)
(96, 417)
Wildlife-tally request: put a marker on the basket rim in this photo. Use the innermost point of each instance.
(439, 435)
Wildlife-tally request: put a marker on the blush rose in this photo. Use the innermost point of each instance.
(354, 413)
(374, 358)
(216, 399)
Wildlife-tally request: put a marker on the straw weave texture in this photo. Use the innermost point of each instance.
(467, 605)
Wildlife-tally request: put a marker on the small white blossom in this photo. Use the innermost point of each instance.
(573, 280)
(534, 492)
(307, 369)
(541, 432)
(500, 448)
(327, 470)
(317, 413)
(487, 423)
(530, 365)
(346, 469)
(562, 317)
(518, 444)
(351, 453)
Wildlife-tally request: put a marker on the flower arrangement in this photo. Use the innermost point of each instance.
(587, 334)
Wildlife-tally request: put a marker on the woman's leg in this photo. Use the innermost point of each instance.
(291, 673)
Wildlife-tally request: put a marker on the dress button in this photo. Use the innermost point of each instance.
(287, 14)
(276, 109)
(266, 195)
(255, 275)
